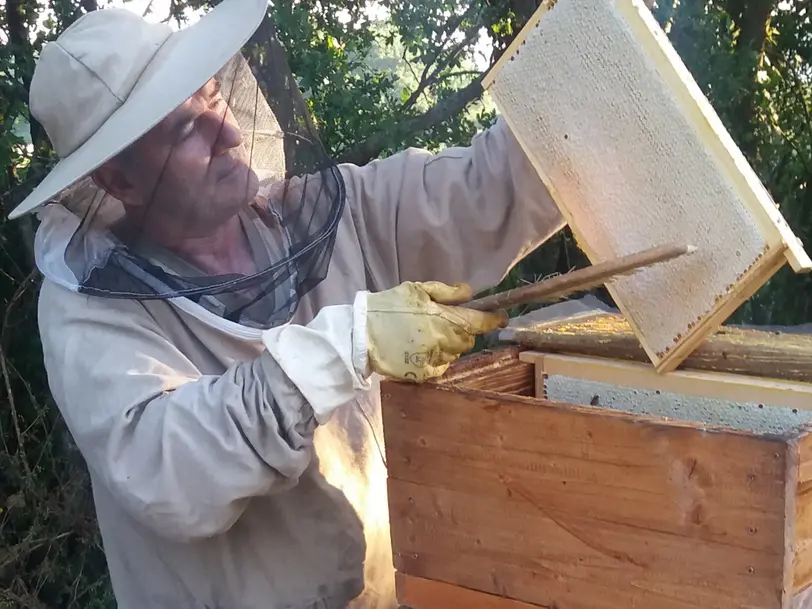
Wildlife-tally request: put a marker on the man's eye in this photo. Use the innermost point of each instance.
(187, 129)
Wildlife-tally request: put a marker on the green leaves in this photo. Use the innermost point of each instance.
(369, 67)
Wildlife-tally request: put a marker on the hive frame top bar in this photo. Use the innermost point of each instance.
(781, 244)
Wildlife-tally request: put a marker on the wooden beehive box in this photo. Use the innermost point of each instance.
(552, 478)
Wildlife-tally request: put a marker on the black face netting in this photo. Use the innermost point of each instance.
(243, 230)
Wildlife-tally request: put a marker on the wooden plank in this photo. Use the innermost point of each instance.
(420, 593)
(573, 507)
(563, 571)
(800, 521)
(748, 352)
(732, 387)
(499, 370)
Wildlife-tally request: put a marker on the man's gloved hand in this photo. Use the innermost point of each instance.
(414, 332)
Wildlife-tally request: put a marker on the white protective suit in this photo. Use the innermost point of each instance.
(214, 485)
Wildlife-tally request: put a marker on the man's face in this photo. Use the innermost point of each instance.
(190, 174)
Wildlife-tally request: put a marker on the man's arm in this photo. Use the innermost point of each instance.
(463, 215)
(184, 451)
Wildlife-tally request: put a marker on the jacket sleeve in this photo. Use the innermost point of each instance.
(464, 214)
(184, 451)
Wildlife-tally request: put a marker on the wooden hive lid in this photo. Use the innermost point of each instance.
(764, 353)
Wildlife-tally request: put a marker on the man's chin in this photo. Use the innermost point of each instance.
(241, 184)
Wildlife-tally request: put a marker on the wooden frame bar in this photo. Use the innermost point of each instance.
(733, 387)
(748, 352)
(420, 593)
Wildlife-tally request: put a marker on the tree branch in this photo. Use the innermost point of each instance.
(21, 50)
(413, 97)
(88, 6)
(448, 75)
(435, 77)
(371, 148)
(282, 92)
(752, 18)
(433, 67)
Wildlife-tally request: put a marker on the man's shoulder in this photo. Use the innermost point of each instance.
(58, 305)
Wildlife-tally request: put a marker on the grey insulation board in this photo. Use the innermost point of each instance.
(753, 417)
(745, 416)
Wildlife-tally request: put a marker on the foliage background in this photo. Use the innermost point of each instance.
(377, 77)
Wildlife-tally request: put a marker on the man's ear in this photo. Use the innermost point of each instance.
(112, 179)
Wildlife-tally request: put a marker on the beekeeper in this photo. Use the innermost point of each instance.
(220, 299)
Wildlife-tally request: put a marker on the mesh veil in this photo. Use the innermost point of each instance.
(244, 230)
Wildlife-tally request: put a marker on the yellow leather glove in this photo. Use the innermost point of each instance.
(414, 332)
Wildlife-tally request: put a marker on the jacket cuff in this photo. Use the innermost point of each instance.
(326, 359)
(360, 353)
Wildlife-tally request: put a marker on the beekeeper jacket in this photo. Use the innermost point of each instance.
(214, 486)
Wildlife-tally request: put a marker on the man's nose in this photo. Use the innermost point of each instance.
(225, 133)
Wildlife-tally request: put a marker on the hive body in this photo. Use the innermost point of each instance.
(530, 480)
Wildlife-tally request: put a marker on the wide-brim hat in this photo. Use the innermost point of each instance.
(111, 77)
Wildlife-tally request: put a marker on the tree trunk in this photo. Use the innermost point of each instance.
(752, 17)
